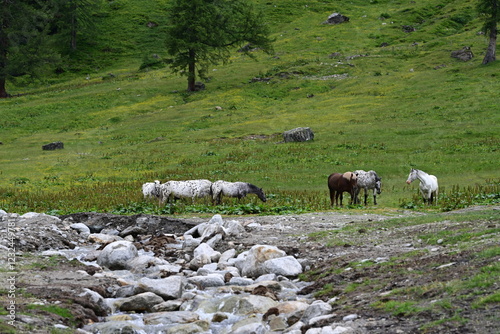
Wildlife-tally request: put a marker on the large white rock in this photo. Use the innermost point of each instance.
(117, 255)
(285, 266)
(252, 266)
(170, 287)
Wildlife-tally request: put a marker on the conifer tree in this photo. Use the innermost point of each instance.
(73, 18)
(490, 10)
(24, 39)
(204, 32)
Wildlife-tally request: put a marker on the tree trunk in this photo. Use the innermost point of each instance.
(73, 25)
(191, 72)
(490, 52)
(3, 92)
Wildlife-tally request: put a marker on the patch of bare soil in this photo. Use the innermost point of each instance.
(363, 268)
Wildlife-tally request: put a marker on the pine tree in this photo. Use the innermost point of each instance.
(24, 39)
(204, 32)
(73, 18)
(490, 10)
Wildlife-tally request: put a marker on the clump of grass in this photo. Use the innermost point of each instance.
(399, 308)
(52, 309)
(459, 197)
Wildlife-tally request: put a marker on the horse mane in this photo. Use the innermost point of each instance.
(253, 187)
(377, 178)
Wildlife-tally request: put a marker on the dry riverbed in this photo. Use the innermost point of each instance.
(395, 278)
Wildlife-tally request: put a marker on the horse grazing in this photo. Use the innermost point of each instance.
(190, 189)
(428, 184)
(235, 189)
(368, 180)
(338, 183)
(151, 189)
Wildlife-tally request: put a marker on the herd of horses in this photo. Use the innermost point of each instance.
(200, 188)
(338, 183)
(353, 182)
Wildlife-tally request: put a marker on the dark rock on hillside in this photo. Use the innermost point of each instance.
(53, 146)
(298, 135)
(408, 29)
(336, 18)
(465, 54)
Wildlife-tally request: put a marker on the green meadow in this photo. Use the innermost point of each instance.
(375, 96)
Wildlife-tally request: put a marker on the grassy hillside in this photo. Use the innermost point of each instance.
(375, 96)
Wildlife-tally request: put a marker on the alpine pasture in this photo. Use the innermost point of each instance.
(376, 96)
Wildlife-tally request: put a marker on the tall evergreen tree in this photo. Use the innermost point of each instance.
(490, 10)
(24, 39)
(203, 33)
(72, 19)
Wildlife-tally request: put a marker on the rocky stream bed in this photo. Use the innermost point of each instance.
(101, 273)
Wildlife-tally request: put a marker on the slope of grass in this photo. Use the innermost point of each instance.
(406, 104)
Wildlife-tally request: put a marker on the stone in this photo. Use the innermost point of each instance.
(465, 54)
(336, 18)
(229, 254)
(117, 255)
(132, 230)
(121, 327)
(81, 228)
(170, 287)
(200, 326)
(301, 134)
(233, 228)
(169, 305)
(211, 280)
(316, 309)
(240, 304)
(53, 146)
(180, 317)
(143, 263)
(142, 302)
(96, 299)
(102, 238)
(285, 266)
(252, 265)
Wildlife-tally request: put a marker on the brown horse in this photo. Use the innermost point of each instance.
(338, 183)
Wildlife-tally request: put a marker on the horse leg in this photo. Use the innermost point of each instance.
(366, 196)
(332, 196)
(356, 196)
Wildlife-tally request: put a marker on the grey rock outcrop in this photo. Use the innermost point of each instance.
(298, 135)
(336, 18)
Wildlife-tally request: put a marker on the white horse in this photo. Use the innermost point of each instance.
(191, 189)
(151, 189)
(428, 184)
(368, 180)
(235, 189)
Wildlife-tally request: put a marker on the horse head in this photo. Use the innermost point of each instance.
(261, 195)
(412, 176)
(378, 186)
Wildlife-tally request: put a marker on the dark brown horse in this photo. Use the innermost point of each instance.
(338, 183)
